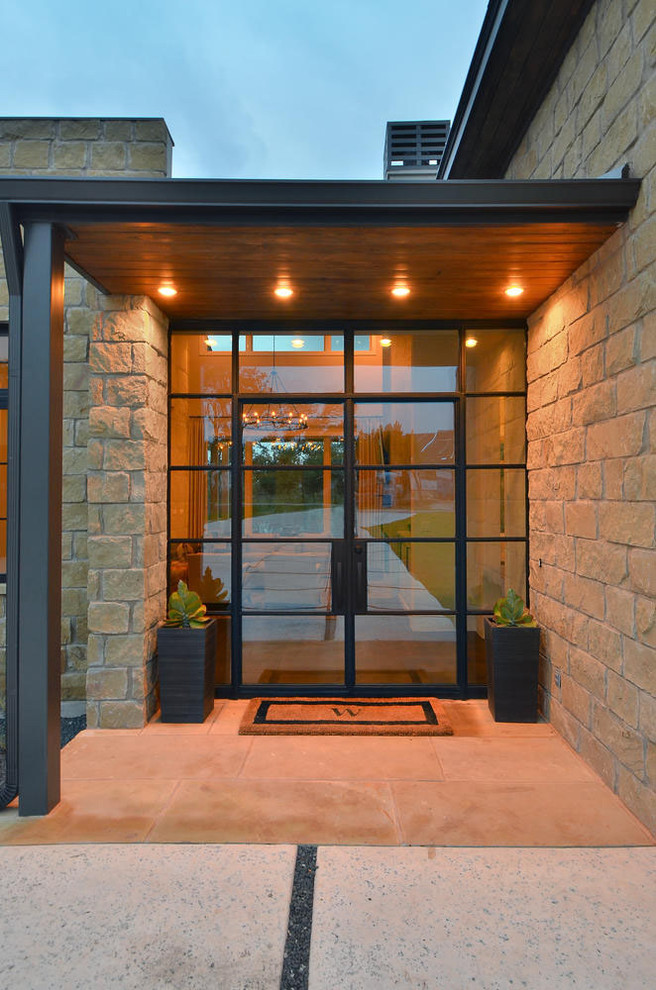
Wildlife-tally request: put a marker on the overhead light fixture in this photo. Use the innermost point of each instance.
(298, 342)
(385, 342)
(167, 290)
(283, 291)
(514, 290)
(471, 342)
(279, 416)
(400, 291)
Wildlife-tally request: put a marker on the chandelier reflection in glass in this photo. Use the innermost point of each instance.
(275, 416)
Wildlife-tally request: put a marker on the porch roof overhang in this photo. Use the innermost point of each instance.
(224, 244)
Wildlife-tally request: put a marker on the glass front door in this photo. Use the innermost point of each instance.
(318, 493)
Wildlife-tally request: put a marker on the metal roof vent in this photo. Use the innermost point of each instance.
(414, 149)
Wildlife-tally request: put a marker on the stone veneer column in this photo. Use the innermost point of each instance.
(137, 148)
(126, 490)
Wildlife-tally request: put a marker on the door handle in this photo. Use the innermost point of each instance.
(360, 590)
(338, 590)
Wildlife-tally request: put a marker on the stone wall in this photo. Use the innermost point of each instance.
(591, 423)
(78, 147)
(127, 458)
(139, 148)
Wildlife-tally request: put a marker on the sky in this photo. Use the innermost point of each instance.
(249, 88)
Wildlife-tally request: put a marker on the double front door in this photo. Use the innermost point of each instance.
(347, 552)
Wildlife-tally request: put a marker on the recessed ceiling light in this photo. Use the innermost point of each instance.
(385, 342)
(283, 291)
(514, 290)
(400, 291)
(167, 290)
(298, 342)
(471, 342)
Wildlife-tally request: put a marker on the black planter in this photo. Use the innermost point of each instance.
(186, 659)
(512, 671)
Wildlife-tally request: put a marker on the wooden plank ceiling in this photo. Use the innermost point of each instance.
(225, 272)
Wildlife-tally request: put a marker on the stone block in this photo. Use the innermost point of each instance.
(70, 155)
(80, 321)
(630, 523)
(108, 617)
(154, 129)
(124, 519)
(109, 156)
(636, 387)
(109, 421)
(623, 741)
(640, 665)
(126, 390)
(113, 486)
(123, 585)
(601, 561)
(106, 682)
(581, 519)
(620, 609)
(150, 158)
(576, 700)
(588, 671)
(118, 130)
(74, 488)
(622, 698)
(565, 723)
(74, 461)
(111, 358)
(647, 715)
(638, 797)
(125, 651)
(589, 482)
(74, 574)
(585, 595)
(73, 685)
(621, 436)
(110, 551)
(621, 351)
(75, 348)
(31, 155)
(76, 405)
(124, 455)
(81, 128)
(597, 756)
(74, 516)
(605, 644)
(121, 715)
(646, 620)
(594, 403)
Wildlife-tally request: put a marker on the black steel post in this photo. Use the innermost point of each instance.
(39, 525)
(12, 247)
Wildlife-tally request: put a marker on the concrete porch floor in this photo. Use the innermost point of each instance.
(487, 785)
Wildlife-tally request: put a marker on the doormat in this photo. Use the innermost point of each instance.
(345, 717)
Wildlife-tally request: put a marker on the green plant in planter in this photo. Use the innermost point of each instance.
(511, 611)
(186, 611)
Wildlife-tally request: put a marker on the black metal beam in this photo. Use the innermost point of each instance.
(39, 525)
(215, 201)
(12, 249)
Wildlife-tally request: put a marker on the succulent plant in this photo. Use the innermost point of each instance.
(511, 611)
(186, 611)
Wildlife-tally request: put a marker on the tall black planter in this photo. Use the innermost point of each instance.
(186, 659)
(513, 654)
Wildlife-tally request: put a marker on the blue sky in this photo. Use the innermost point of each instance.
(253, 89)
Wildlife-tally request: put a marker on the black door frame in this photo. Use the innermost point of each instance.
(461, 688)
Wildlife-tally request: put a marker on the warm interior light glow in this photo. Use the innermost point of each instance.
(514, 290)
(385, 342)
(400, 291)
(471, 342)
(298, 342)
(167, 290)
(283, 291)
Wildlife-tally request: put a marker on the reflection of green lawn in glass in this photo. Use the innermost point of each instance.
(433, 564)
